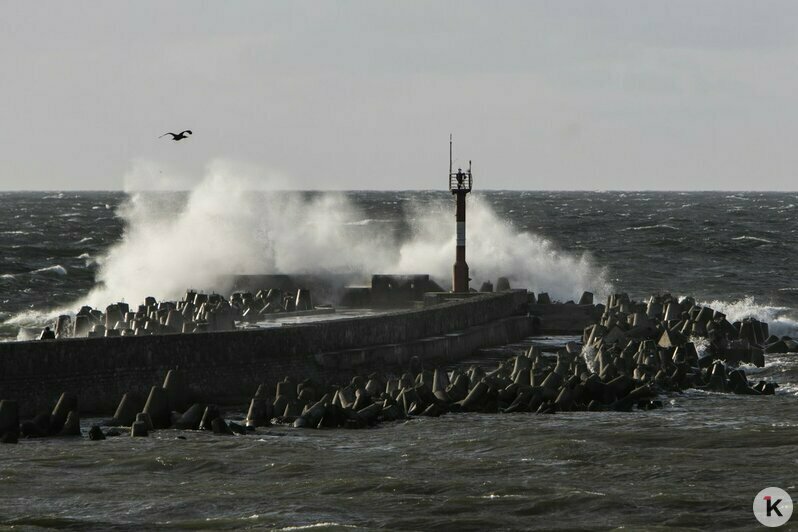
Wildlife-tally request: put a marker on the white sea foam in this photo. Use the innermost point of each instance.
(700, 344)
(323, 524)
(773, 364)
(237, 224)
(232, 224)
(788, 389)
(781, 323)
(589, 354)
(56, 269)
(752, 239)
(495, 248)
(32, 320)
(88, 260)
(649, 227)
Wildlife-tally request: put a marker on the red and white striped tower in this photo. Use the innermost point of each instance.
(460, 185)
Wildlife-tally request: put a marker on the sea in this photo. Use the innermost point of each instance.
(695, 464)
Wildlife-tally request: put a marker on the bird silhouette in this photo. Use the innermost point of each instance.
(178, 136)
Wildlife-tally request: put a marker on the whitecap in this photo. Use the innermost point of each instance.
(772, 362)
(34, 318)
(648, 227)
(787, 389)
(317, 525)
(57, 269)
(753, 239)
(780, 324)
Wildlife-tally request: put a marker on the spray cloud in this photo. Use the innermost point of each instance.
(230, 224)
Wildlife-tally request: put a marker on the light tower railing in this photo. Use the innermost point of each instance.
(462, 181)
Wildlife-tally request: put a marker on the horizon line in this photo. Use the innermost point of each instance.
(600, 191)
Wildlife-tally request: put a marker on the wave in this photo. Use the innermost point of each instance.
(246, 229)
(88, 259)
(772, 363)
(787, 389)
(497, 248)
(753, 239)
(781, 321)
(649, 227)
(322, 524)
(57, 270)
(28, 324)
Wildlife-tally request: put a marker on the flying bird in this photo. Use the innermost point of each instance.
(178, 136)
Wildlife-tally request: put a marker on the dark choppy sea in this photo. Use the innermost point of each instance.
(696, 464)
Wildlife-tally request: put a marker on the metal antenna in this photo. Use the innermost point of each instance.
(450, 153)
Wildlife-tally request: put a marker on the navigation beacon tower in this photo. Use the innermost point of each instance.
(460, 185)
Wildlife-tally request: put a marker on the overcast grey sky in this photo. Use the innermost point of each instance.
(362, 95)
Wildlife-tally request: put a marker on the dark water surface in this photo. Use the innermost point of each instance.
(712, 245)
(695, 464)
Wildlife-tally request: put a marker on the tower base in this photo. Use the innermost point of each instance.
(460, 277)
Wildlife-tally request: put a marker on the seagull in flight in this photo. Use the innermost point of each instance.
(178, 136)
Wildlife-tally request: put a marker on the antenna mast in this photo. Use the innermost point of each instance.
(450, 154)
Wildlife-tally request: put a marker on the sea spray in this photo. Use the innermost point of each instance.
(232, 224)
(781, 322)
(226, 226)
(496, 248)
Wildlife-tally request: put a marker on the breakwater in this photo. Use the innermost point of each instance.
(227, 367)
(632, 355)
(196, 312)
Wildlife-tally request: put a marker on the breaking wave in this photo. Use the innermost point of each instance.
(782, 323)
(230, 225)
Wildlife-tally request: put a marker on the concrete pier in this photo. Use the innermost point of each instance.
(227, 367)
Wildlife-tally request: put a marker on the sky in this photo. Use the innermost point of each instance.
(542, 95)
